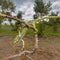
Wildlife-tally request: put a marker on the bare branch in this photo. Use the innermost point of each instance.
(20, 54)
(36, 41)
(29, 57)
(15, 18)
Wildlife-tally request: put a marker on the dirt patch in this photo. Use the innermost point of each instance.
(49, 48)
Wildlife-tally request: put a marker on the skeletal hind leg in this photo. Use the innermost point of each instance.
(23, 45)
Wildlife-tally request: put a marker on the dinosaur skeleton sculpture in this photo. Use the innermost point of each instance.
(20, 35)
(33, 22)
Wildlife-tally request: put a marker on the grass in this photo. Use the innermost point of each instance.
(7, 30)
(49, 31)
(57, 33)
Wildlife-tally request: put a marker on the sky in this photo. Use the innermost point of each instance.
(26, 6)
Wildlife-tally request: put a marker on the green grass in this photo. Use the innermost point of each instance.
(57, 33)
(7, 30)
(49, 31)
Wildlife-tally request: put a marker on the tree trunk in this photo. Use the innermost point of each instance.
(36, 41)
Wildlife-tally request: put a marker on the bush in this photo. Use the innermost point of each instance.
(41, 28)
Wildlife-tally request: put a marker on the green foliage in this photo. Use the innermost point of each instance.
(49, 32)
(41, 8)
(30, 32)
(53, 22)
(41, 27)
(1, 20)
(19, 14)
(47, 8)
(7, 5)
(35, 16)
(7, 30)
(18, 24)
(0, 2)
(10, 20)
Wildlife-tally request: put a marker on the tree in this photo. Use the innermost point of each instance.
(53, 22)
(7, 7)
(1, 22)
(19, 15)
(41, 9)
